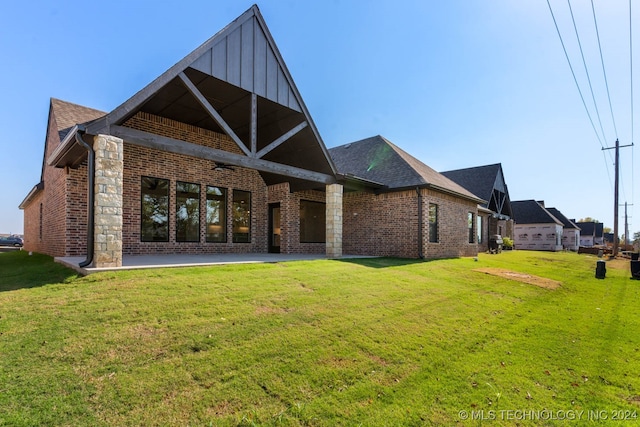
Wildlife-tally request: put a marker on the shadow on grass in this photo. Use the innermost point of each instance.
(19, 270)
(384, 262)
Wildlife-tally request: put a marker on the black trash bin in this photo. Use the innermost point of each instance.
(634, 256)
(635, 269)
(601, 269)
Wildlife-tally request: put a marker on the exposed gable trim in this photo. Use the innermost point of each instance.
(129, 106)
(212, 112)
(157, 142)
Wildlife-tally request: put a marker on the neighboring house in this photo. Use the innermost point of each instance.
(495, 215)
(570, 231)
(535, 227)
(220, 155)
(402, 207)
(591, 234)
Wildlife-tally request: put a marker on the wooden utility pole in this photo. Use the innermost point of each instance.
(616, 243)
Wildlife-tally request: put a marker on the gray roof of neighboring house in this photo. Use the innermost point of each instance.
(67, 115)
(591, 228)
(379, 160)
(566, 221)
(479, 180)
(532, 212)
(486, 182)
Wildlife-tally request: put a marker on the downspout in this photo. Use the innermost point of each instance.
(420, 254)
(91, 172)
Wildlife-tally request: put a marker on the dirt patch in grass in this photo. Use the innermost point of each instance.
(521, 277)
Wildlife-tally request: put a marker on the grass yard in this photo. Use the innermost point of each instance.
(368, 342)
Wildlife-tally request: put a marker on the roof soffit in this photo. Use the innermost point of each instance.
(236, 71)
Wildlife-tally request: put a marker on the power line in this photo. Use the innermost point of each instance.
(606, 82)
(631, 66)
(586, 70)
(574, 77)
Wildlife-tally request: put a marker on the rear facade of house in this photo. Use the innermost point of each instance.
(220, 155)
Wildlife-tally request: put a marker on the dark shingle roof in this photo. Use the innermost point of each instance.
(566, 221)
(377, 159)
(532, 212)
(595, 229)
(479, 180)
(67, 115)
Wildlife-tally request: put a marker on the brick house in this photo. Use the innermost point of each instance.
(495, 215)
(219, 154)
(401, 207)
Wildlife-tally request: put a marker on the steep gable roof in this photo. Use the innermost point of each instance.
(67, 115)
(379, 160)
(532, 212)
(486, 182)
(235, 83)
(591, 228)
(566, 221)
(479, 180)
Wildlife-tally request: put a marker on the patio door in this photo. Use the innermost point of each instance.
(274, 228)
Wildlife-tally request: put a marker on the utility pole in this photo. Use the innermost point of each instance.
(616, 243)
(626, 224)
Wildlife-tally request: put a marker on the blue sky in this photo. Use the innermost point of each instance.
(456, 83)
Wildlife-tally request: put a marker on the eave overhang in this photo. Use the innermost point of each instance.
(69, 153)
(37, 189)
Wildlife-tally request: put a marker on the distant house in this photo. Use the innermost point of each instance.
(591, 234)
(535, 227)
(487, 182)
(570, 231)
(395, 205)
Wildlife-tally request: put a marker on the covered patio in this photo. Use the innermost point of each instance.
(137, 262)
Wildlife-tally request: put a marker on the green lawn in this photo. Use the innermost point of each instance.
(357, 342)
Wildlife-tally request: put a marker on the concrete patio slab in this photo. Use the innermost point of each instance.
(134, 262)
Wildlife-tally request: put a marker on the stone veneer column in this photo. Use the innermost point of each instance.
(334, 220)
(108, 201)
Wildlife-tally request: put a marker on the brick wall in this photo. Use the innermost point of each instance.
(290, 218)
(387, 225)
(64, 207)
(32, 241)
(141, 161)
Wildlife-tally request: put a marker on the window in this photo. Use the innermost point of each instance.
(241, 216)
(433, 223)
(470, 225)
(154, 215)
(313, 226)
(479, 229)
(216, 214)
(40, 231)
(187, 212)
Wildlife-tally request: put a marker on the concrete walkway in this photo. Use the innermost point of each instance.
(133, 262)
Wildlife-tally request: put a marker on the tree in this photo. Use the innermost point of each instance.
(636, 240)
(588, 219)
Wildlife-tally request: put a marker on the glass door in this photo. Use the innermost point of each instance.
(274, 228)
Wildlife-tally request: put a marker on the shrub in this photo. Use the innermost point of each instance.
(507, 242)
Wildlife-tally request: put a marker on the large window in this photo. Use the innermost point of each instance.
(216, 214)
(241, 216)
(479, 229)
(433, 223)
(313, 226)
(470, 225)
(154, 211)
(187, 212)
